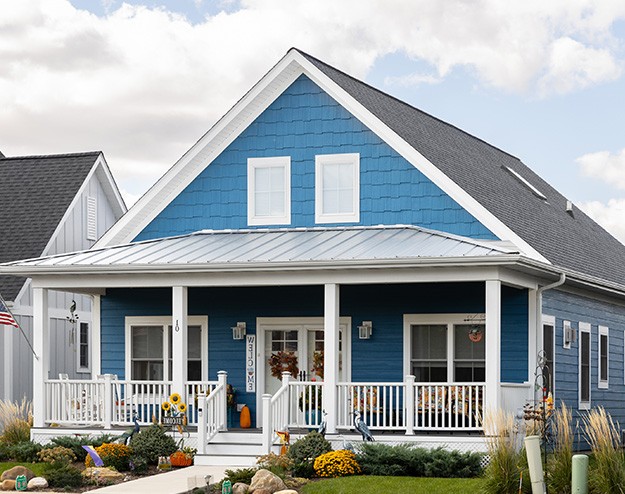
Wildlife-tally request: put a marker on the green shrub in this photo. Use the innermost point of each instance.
(153, 442)
(57, 455)
(408, 460)
(75, 443)
(304, 451)
(64, 477)
(25, 451)
(240, 475)
(4, 451)
(277, 464)
(138, 464)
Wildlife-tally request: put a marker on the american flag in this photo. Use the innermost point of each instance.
(5, 315)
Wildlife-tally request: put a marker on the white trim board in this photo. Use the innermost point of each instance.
(233, 123)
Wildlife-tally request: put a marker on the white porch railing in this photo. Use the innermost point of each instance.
(381, 405)
(108, 401)
(457, 406)
(276, 413)
(305, 403)
(212, 414)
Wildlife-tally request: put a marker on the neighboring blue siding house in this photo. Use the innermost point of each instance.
(395, 264)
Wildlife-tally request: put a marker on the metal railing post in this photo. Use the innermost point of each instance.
(409, 408)
(267, 426)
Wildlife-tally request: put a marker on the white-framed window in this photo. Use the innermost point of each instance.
(84, 344)
(585, 342)
(445, 347)
(337, 188)
(269, 191)
(92, 218)
(549, 347)
(603, 362)
(149, 348)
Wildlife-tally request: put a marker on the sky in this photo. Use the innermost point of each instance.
(143, 80)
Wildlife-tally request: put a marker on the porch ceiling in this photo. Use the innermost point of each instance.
(262, 247)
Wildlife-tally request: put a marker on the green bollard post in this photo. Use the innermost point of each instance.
(579, 477)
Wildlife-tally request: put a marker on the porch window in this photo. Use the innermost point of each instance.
(83, 347)
(149, 348)
(444, 348)
(584, 366)
(337, 188)
(549, 349)
(604, 357)
(269, 191)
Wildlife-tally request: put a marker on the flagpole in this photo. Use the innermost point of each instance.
(19, 327)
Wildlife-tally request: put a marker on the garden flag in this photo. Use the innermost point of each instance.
(97, 461)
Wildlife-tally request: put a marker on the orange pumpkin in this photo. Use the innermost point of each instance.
(180, 459)
(246, 418)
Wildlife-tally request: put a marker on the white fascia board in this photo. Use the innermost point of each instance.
(419, 161)
(109, 185)
(203, 152)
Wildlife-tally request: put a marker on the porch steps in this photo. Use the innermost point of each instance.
(238, 448)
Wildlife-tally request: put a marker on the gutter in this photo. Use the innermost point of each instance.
(539, 297)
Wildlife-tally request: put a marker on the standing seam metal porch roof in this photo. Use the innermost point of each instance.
(280, 246)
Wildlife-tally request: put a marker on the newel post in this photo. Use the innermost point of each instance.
(201, 424)
(409, 408)
(267, 426)
(286, 379)
(108, 400)
(222, 379)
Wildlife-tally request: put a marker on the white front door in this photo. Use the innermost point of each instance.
(304, 338)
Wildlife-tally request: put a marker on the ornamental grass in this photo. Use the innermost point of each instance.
(339, 463)
(15, 421)
(560, 465)
(603, 436)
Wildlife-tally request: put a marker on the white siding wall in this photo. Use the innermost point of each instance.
(72, 236)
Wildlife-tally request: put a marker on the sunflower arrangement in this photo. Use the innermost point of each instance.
(174, 407)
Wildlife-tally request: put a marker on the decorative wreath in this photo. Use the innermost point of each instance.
(282, 361)
(317, 367)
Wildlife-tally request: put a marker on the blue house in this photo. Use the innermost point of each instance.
(393, 263)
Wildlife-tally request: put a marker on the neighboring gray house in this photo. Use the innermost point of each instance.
(50, 205)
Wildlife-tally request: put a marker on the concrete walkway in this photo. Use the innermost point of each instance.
(175, 482)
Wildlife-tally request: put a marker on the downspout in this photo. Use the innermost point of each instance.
(539, 297)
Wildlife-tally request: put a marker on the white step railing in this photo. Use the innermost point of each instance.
(276, 413)
(212, 413)
(108, 401)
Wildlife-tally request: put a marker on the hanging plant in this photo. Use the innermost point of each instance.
(282, 361)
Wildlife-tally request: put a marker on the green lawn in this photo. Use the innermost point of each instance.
(37, 468)
(396, 485)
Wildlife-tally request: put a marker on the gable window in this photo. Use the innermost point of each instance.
(149, 348)
(444, 348)
(604, 357)
(549, 325)
(337, 188)
(584, 366)
(269, 191)
(92, 218)
(83, 347)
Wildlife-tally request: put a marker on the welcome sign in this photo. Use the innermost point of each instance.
(250, 363)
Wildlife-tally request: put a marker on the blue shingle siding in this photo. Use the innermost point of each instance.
(302, 123)
(575, 308)
(514, 335)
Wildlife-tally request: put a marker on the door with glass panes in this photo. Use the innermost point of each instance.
(305, 342)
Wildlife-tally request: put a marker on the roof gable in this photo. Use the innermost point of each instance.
(36, 193)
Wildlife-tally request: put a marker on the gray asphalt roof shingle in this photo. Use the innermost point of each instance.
(35, 192)
(570, 240)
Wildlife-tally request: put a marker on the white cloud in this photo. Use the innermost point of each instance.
(605, 166)
(143, 84)
(610, 216)
(415, 79)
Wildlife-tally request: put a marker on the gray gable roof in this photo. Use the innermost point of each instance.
(35, 192)
(570, 240)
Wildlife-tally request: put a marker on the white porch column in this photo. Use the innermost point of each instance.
(535, 333)
(493, 344)
(179, 340)
(96, 356)
(331, 354)
(41, 365)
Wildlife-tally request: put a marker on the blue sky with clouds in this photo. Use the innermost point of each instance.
(142, 80)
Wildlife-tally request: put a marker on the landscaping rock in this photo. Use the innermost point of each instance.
(8, 485)
(240, 488)
(286, 491)
(101, 473)
(12, 473)
(37, 483)
(264, 479)
(263, 491)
